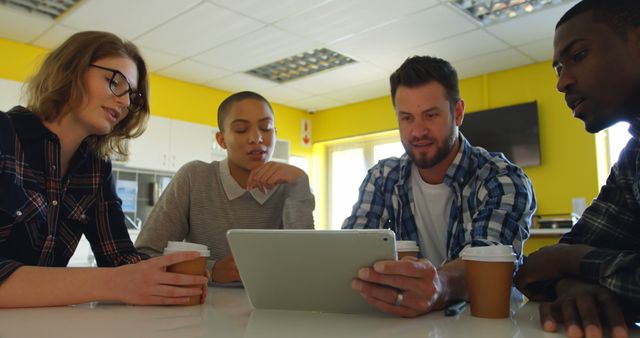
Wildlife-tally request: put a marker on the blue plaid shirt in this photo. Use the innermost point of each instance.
(612, 225)
(493, 201)
(43, 215)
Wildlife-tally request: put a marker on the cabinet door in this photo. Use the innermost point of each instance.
(281, 151)
(189, 142)
(151, 149)
(9, 94)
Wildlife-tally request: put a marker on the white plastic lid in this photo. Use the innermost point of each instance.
(492, 253)
(404, 246)
(175, 246)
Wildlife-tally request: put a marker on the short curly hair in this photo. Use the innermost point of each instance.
(620, 15)
(225, 106)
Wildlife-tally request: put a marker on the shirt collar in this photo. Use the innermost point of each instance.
(457, 171)
(30, 128)
(634, 127)
(233, 190)
(28, 125)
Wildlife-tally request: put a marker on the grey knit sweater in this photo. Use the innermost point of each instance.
(195, 208)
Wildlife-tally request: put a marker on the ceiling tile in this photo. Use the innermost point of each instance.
(531, 27)
(491, 62)
(125, 18)
(409, 32)
(240, 82)
(337, 20)
(54, 36)
(211, 41)
(192, 71)
(256, 49)
(269, 11)
(18, 25)
(157, 60)
(284, 94)
(390, 62)
(197, 30)
(462, 46)
(338, 78)
(540, 50)
(367, 91)
(455, 48)
(316, 103)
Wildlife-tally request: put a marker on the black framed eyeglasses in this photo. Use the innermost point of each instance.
(119, 86)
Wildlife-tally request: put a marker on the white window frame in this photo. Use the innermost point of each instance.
(366, 143)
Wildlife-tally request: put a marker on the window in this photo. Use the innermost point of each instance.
(385, 150)
(618, 136)
(347, 165)
(609, 144)
(300, 162)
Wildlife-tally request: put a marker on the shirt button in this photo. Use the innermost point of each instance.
(54, 203)
(18, 213)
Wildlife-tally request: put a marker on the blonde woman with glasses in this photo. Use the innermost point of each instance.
(89, 96)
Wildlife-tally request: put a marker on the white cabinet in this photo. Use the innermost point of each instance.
(151, 149)
(281, 151)
(168, 144)
(10, 94)
(190, 141)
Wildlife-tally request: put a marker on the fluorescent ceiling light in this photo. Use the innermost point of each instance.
(491, 11)
(50, 8)
(301, 65)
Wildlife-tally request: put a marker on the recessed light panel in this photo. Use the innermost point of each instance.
(301, 65)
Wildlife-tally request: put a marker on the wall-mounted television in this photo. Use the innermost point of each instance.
(511, 130)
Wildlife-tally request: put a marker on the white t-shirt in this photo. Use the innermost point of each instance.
(432, 204)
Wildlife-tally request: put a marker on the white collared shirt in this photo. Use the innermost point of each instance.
(233, 190)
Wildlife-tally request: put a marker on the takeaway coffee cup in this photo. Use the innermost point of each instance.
(407, 248)
(489, 273)
(193, 267)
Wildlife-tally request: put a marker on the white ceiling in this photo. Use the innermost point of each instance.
(212, 42)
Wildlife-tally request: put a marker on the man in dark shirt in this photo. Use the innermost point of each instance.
(593, 275)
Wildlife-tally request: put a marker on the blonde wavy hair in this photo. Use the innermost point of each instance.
(58, 86)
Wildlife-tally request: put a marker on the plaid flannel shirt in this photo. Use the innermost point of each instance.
(493, 201)
(43, 215)
(611, 224)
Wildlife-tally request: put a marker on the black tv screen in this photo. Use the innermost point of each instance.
(511, 130)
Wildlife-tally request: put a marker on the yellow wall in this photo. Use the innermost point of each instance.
(536, 242)
(18, 61)
(169, 98)
(568, 152)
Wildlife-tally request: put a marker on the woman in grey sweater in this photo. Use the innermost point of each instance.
(246, 190)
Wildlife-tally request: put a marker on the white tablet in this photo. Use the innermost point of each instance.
(307, 270)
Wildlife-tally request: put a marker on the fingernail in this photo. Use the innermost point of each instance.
(363, 273)
(592, 331)
(379, 267)
(549, 326)
(574, 331)
(619, 331)
(356, 285)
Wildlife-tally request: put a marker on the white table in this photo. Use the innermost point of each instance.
(228, 313)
